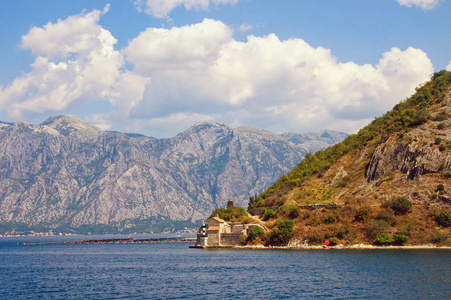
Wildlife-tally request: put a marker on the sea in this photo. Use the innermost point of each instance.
(175, 271)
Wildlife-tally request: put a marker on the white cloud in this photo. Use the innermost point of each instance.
(161, 8)
(281, 85)
(75, 63)
(424, 4)
(201, 73)
(245, 27)
(448, 68)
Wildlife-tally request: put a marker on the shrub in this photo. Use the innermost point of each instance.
(401, 205)
(384, 239)
(421, 117)
(442, 116)
(329, 219)
(313, 222)
(437, 140)
(269, 213)
(376, 227)
(242, 240)
(232, 213)
(387, 215)
(283, 233)
(442, 147)
(441, 126)
(440, 187)
(440, 237)
(254, 232)
(401, 239)
(362, 214)
(443, 218)
(333, 241)
(294, 212)
(343, 230)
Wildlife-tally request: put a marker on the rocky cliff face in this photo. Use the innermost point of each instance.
(67, 172)
(417, 152)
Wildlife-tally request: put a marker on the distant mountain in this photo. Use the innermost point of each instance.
(69, 175)
(314, 141)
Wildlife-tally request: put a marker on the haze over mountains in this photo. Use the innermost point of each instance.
(67, 174)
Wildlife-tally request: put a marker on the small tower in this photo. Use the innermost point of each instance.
(202, 238)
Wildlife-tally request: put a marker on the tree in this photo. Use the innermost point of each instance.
(443, 218)
(401, 205)
(283, 233)
(230, 204)
(254, 232)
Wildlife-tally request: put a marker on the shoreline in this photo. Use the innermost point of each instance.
(338, 247)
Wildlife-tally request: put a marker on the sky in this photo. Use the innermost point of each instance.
(157, 67)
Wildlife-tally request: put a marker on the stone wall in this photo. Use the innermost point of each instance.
(228, 239)
(213, 238)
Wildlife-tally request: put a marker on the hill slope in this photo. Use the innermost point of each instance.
(69, 175)
(400, 158)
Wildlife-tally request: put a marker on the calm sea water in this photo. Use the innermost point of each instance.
(172, 271)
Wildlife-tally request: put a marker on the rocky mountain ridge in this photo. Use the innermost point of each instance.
(66, 173)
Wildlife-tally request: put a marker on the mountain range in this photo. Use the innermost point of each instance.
(69, 176)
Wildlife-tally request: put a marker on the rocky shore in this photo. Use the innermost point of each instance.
(357, 247)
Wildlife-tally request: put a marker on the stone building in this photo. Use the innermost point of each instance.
(219, 233)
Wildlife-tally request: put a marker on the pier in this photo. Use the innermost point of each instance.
(119, 241)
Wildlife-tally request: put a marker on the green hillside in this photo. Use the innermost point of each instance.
(389, 184)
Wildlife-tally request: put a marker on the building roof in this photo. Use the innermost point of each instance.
(213, 228)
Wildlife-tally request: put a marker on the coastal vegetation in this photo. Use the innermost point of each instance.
(389, 184)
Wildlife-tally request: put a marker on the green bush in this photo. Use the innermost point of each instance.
(401, 205)
(333, 241)
(384, 239)
(376, 227)
(421, 117)
(329, 219)
(283, 233)
(269, 213)
(443, 218)
(401, 239)
(442, 147)
(440, 187)
(232, 213)
(254, 232)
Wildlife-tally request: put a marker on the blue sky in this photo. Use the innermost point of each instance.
(157, 67)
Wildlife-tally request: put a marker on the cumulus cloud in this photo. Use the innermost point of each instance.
(75, 63)
(161, 8)
(448, 68)
(424, 4)
(168, 79)
(282, 85)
